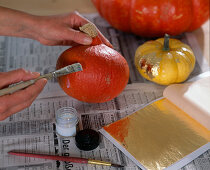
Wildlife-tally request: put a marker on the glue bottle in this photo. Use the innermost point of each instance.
(66, 121)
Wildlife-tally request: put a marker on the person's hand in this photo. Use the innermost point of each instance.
(48, 30)
(63, 30)
(12, 103)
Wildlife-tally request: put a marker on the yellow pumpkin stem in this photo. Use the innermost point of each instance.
(166, 43)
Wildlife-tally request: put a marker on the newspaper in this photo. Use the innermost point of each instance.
(33, 129)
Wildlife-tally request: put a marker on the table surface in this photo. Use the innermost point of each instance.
(49, 7)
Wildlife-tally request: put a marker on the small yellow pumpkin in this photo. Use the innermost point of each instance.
(165, 61)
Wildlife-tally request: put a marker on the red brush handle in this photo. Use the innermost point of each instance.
(51, 157)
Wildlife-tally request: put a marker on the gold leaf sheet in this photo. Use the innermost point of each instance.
(159, 134)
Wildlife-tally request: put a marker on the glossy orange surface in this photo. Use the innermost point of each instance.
(105, 73)
(152, 18)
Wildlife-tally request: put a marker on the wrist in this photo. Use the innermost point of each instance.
(30, 25)
(16, 23)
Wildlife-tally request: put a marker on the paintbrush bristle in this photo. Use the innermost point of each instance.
(78, 67)
(74, 67)
(67, 70)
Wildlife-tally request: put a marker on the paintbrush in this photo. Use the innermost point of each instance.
(67, 159)
(23, 84)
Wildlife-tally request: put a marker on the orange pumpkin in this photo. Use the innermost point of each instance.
(151, 18)
(105, 73)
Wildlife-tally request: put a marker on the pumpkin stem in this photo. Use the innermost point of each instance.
(91, 30)
(166, 43)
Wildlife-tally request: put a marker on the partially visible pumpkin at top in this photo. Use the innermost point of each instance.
(105, 72)
(154, 18)
(165, 61)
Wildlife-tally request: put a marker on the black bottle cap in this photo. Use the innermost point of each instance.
(87, 139)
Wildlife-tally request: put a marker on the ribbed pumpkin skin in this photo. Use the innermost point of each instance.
(105, 73)
(152, 18)
(164, 67)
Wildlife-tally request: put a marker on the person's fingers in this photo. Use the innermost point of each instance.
(68, 43)
(104, 40)
(20, 100)
(79, 21)
(25, 95)
(76, 21)
(79, 37)
(15, 76)
(82, 38)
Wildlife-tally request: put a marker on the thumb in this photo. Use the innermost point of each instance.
(79, 37)
(15, 76)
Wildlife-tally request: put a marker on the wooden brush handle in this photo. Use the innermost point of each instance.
(16, 87)
(51, 157)
(22, 85)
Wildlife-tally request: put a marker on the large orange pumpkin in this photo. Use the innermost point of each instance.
(105, 73)
(154, 17)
